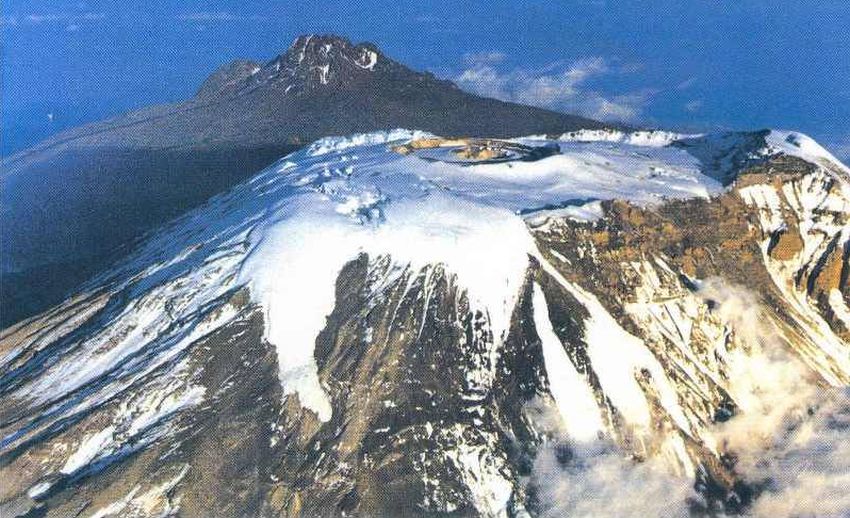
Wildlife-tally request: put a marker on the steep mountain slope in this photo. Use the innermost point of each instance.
(71, 203)
(392, 323)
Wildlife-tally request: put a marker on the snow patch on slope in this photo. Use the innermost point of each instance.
(801, 146)
(821, 210)
(570, 389)
(480, 470)
(132, 425)
(618, 358)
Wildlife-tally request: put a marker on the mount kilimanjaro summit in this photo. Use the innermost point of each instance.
(499, 311)
(141, 169)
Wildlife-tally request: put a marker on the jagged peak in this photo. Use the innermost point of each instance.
(311, 61)
(314, 40)
(306, 41)
(330, 50)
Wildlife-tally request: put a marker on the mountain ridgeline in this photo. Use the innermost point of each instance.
(79, 200)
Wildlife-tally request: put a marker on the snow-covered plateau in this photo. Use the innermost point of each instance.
(652, 383)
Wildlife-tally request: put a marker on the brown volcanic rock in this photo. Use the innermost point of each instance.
(786, 244)
(833, 274)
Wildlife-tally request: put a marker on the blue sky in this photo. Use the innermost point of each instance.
(687, 65)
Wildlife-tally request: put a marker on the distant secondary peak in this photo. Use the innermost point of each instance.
(311, 62)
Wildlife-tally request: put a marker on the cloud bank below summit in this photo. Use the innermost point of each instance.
(790, 441)
(559, 85)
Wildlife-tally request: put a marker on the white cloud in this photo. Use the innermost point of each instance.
(478, 59)
(73, 21)
(687, 83)
(557, 86)
(790, 439)
(217, 16)
(595, 478)
(806, 463)
(426, 18)
(626, 107)
(693, 105)
(41, 18)
(603, 482)
(792, 436)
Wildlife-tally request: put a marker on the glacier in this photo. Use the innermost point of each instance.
(287, 233)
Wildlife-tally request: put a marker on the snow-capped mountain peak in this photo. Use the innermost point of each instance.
(398, 323)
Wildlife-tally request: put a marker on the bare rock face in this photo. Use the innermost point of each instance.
(785, 244)
(833, 272)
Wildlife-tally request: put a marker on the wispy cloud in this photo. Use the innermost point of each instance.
(72, 21)
(217, 16)
(558, 85)
(805, 463)
(693, 106)
(687, 83)
(426, 18)
(587, 478)
(42, 18)
(477, 59)
(790, 438)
